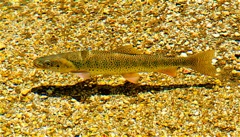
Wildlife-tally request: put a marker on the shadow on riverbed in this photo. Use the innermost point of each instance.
(83, 90)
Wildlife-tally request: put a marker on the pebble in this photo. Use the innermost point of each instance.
(237, 34)
(25, 91)
(209, 25)
(216, 35)
(183, 54)
(189, 52)
(2, 46)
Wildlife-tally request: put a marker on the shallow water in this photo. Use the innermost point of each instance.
(40, 102)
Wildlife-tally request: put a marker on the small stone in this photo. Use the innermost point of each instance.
(225, 13)
(214, 61)
(2, 57)
(25, 91)
(216, 35)
(195, 102)
(218, 70)
(43, 97)
(2, 46)
(19, 116)
(2, 111)
(237, 34)
(234, 72)
(49, 91)
(183, 54)
(209, 25)
(222, 62)
(180, 1)
(228, 87)
(105, 97)
(218, 82)
(106, 10)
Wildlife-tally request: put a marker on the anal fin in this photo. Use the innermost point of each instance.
(131, 77)
(171, 71)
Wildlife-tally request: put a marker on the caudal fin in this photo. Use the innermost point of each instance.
(202, 62)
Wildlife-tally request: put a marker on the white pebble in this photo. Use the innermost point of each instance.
(214, 61)
(189, 52)
(216, 35)
(183, 54)
(218, 70)
(237, 34)
(209, 25)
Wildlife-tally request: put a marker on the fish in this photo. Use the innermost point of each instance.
(126, 61)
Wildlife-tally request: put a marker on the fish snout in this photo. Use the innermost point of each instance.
(37, 63)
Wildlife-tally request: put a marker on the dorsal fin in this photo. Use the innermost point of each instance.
(127, 50)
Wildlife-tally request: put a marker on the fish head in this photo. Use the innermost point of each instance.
(54, 63)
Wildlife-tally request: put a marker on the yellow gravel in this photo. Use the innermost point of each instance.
(44, 103)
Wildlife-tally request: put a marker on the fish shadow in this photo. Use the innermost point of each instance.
(83, 90)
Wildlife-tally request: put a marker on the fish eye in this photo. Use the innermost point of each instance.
(47, 62)
(57, 65)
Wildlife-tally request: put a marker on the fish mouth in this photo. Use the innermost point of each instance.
(37, 64)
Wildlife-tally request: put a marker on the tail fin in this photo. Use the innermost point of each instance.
(202, 62)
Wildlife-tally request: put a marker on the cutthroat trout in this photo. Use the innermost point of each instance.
(126, 61)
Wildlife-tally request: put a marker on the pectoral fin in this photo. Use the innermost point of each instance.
(172, 71)
(84, 75)
(131, 77)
